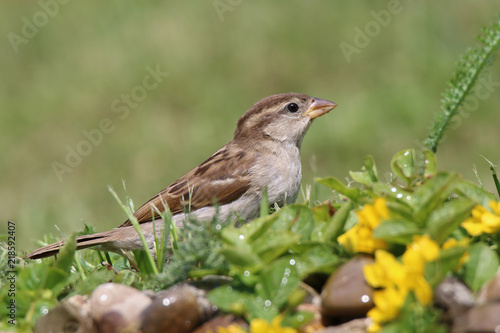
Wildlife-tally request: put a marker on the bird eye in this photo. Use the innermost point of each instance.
(292, 107)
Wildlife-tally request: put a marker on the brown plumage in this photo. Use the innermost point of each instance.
(264, 153)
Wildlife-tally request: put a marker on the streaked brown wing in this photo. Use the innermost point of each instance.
(222, 178)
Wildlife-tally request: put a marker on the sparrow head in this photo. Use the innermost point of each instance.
(283, 118)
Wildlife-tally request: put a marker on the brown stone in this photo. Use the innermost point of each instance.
(117, 308)
(220, 321)
(484, 318)
(346, 293)
(70, 316)
(179, 309)
(491, 291)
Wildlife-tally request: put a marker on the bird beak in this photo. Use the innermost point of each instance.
(319, 107)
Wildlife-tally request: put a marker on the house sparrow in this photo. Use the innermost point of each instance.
(263, 154)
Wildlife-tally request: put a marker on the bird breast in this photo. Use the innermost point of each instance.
(281, 173)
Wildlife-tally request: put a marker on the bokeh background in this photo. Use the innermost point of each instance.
(62, 77)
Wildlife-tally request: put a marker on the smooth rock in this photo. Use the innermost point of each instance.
(491, 291)
(117, 308)
(179, 309)
(354, 326)
(220, 321)
(454, 297)
(346, 295)
(72, 315)
(484, 318)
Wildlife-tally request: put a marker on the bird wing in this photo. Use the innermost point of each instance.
(221, 179)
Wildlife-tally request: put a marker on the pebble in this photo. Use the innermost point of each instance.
(220, 321)
(346, 295)
(354, 326)
(484, 318)
(454, 297)
(117, 308)
(179, 309)
(70, 316)
(491, 291)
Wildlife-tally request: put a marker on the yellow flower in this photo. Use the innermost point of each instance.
(399, 278)
(261, 326)
(452, 242)
(495, 206)
(421, 288)
(417, 254)
(387, 301)
(385, 271)
(483, 220)
(360, 237)
(230, 329)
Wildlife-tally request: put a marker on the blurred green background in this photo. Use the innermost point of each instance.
(62, 78)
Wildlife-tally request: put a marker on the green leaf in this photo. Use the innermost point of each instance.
(298, 319)
(396, 231)
(429, 163)
(403, 165)
(337, 185)
(368, 175)
(241, 256)
(67, 254)
(317, 259)
(229, 299)
(264, 204)
(474, 192)
(274, 244)
(444, 220)
(482, 265)
(323, 212)
(297, 218)
(249, 231)
(141, 258)
(335, 227)
(448, 259)
(277, 283)
(432, 194)
(415, 318)
(56, 280)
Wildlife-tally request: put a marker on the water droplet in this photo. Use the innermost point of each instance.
(300, 318)
(287, 271)
(166, 301)
(292, 262)
(44, 310)
(407, 153)
(267, 302)
(284, 280)
(399, 196)
(394, 189)
(104, 298)
(241, 237)
(405, 165)
(246, 273)
(218, 227)
(365, 298)
(408, 197)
